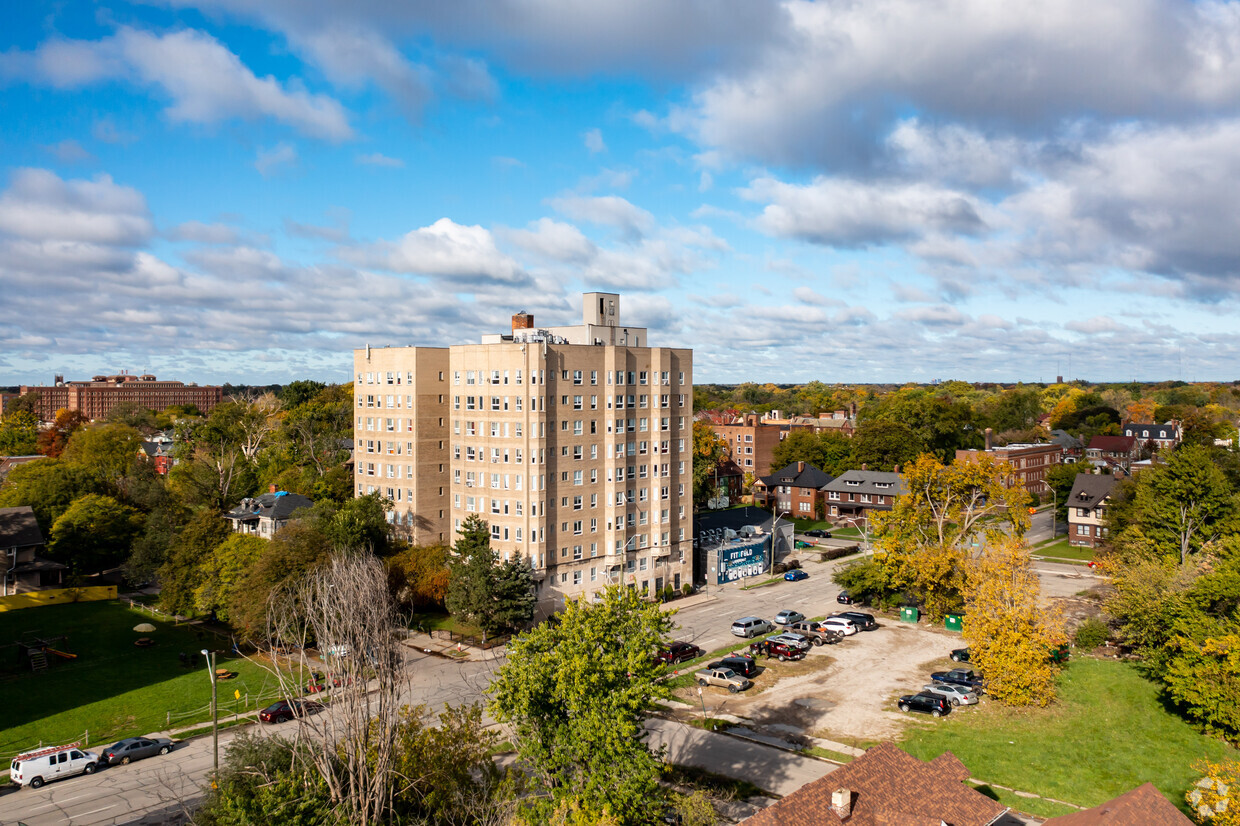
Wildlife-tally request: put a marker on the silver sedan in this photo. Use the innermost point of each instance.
(958, 694)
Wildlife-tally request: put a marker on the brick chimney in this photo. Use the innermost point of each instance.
(522, 321)
(841, 803)
(989, 433)
(272, 488)
(800, 467)
(895, 469)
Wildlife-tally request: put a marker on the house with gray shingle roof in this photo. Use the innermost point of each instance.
(851, 497)
(795, 490)
(1086, 507)
(21, 567)
(264, 515)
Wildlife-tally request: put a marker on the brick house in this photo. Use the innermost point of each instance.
(886, 787)
(1107, 450)
(752, 442)
(1029, 463)
(1086, 506)
(1155, 436)
(1143, 806)
(856, 493)
(796, 490)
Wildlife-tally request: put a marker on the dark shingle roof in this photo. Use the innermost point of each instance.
(1137, 430)
(1065, 440)
(807, 477)
(278, 506)
(888, 787)
(1143, 806)
(1112, 444)
(869, 481)
(1089, 489)
(19, 528)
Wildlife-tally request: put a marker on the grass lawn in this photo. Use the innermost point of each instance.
(1106, 734)
(113, 689)
(430, 621)
(1060, 549)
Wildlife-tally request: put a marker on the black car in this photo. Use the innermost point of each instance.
(865, 622)
(932, 704)
(819, 533)
(745, 666)
(677, 652)
(135, 748)
(844, 598)
(960, 676)
(960, 655)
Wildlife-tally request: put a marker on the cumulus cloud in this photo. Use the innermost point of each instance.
(279, 157)
(41, 206)
(202, 233)
(594, 140)
(466, 254)
(849, 213)
(609, 210)
(553, 240)
(378, 159)
(69, 151)
(206, 82)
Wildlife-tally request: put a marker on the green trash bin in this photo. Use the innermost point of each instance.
(909, 613)
(954, 622)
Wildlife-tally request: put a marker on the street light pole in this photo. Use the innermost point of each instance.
(215, 715)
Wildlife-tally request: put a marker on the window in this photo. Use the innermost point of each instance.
(1082, 530)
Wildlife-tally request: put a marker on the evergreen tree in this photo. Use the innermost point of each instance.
(471, 574)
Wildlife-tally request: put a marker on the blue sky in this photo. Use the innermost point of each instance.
(887, 191)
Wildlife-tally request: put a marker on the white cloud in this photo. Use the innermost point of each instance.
(594, 141)
(553, 240)
(279, 157)
(69, 151)
(202, 233)
(206, 82)
(378, 159)
(608, 210)
(466, 254)
(39, 206)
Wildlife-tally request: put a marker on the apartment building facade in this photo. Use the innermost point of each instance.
(573, 443)
(752, 442)
(97, 397)
(1029, 463)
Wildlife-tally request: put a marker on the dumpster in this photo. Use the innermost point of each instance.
(909, 613)
(954, 622)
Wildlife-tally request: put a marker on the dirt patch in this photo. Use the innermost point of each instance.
(847, 694)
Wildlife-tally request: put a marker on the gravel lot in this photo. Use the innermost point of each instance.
(843, 692)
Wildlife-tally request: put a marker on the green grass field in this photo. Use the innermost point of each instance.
(1060, 549)
(1107, 733)
(113, 689)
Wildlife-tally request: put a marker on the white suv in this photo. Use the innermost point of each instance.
(35, 768)
(845, 626)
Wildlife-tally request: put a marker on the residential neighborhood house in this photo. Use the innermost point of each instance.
(1029, 462)
(1112, 451)
(1086, 505)
(1155, 437)
(266, 514)
(1143, 806)
(796, 490)
(20, 542)
(856, 493)
(886, 787)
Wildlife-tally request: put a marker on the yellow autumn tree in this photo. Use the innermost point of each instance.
(927, 537)
(1215, 797)
(1010, 635)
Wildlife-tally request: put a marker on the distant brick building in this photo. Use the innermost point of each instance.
(1029, 463)
(752, 441)
(797, 489)
(97, 397)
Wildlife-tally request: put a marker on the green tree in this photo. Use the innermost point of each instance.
(1185, 503)
(264, 780)
(222, 571)
(883, 444)
(290, 555)
(299, 392)
(19, 433)
(107, 451)
(418, 576)
(514, 594)
(52, 441)
(575, 695)
(471, 575)
(94, 534)
(708, 451)
(132, 414)
(194, 544)
(48, 486)
(1060, 479)
(359, 523)
(828, 451)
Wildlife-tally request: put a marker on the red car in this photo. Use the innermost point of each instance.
(677, 652)
(780, 650)
(285, 710)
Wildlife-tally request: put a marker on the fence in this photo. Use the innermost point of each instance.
(474, 642)
(56, 596)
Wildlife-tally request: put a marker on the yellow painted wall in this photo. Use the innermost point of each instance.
(56, 596)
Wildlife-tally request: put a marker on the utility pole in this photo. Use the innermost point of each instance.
(215, 716)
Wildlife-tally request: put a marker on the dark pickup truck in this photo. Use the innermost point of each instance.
(816, 633)
(960, 676)
(780, 651)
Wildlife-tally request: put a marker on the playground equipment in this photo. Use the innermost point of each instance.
(65, 654)
(37, 649)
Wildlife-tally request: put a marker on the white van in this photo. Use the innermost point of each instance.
(35, 768)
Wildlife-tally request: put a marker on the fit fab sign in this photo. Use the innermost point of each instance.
(742, 558)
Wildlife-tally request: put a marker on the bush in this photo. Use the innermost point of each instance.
(686, 589)
(669, 593)
(1090, 634)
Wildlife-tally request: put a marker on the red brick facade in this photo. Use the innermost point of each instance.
(97, 397)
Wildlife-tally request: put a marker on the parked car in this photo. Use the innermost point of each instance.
(958, 695)
(960, 655)
(933, 704)
(800, 641)
(864, 622)
(779, 650)
(35, 768)
(819, 533)
(786, 616)
(844, 598)
(842, 624)
(818, 635)
(677, 652)
(796, 575)
(751, 627)
(285, 710)
(960, 676)
(135, 748)
(741, 664)
(723, 677)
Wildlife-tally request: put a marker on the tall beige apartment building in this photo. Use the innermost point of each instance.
(575, 444)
